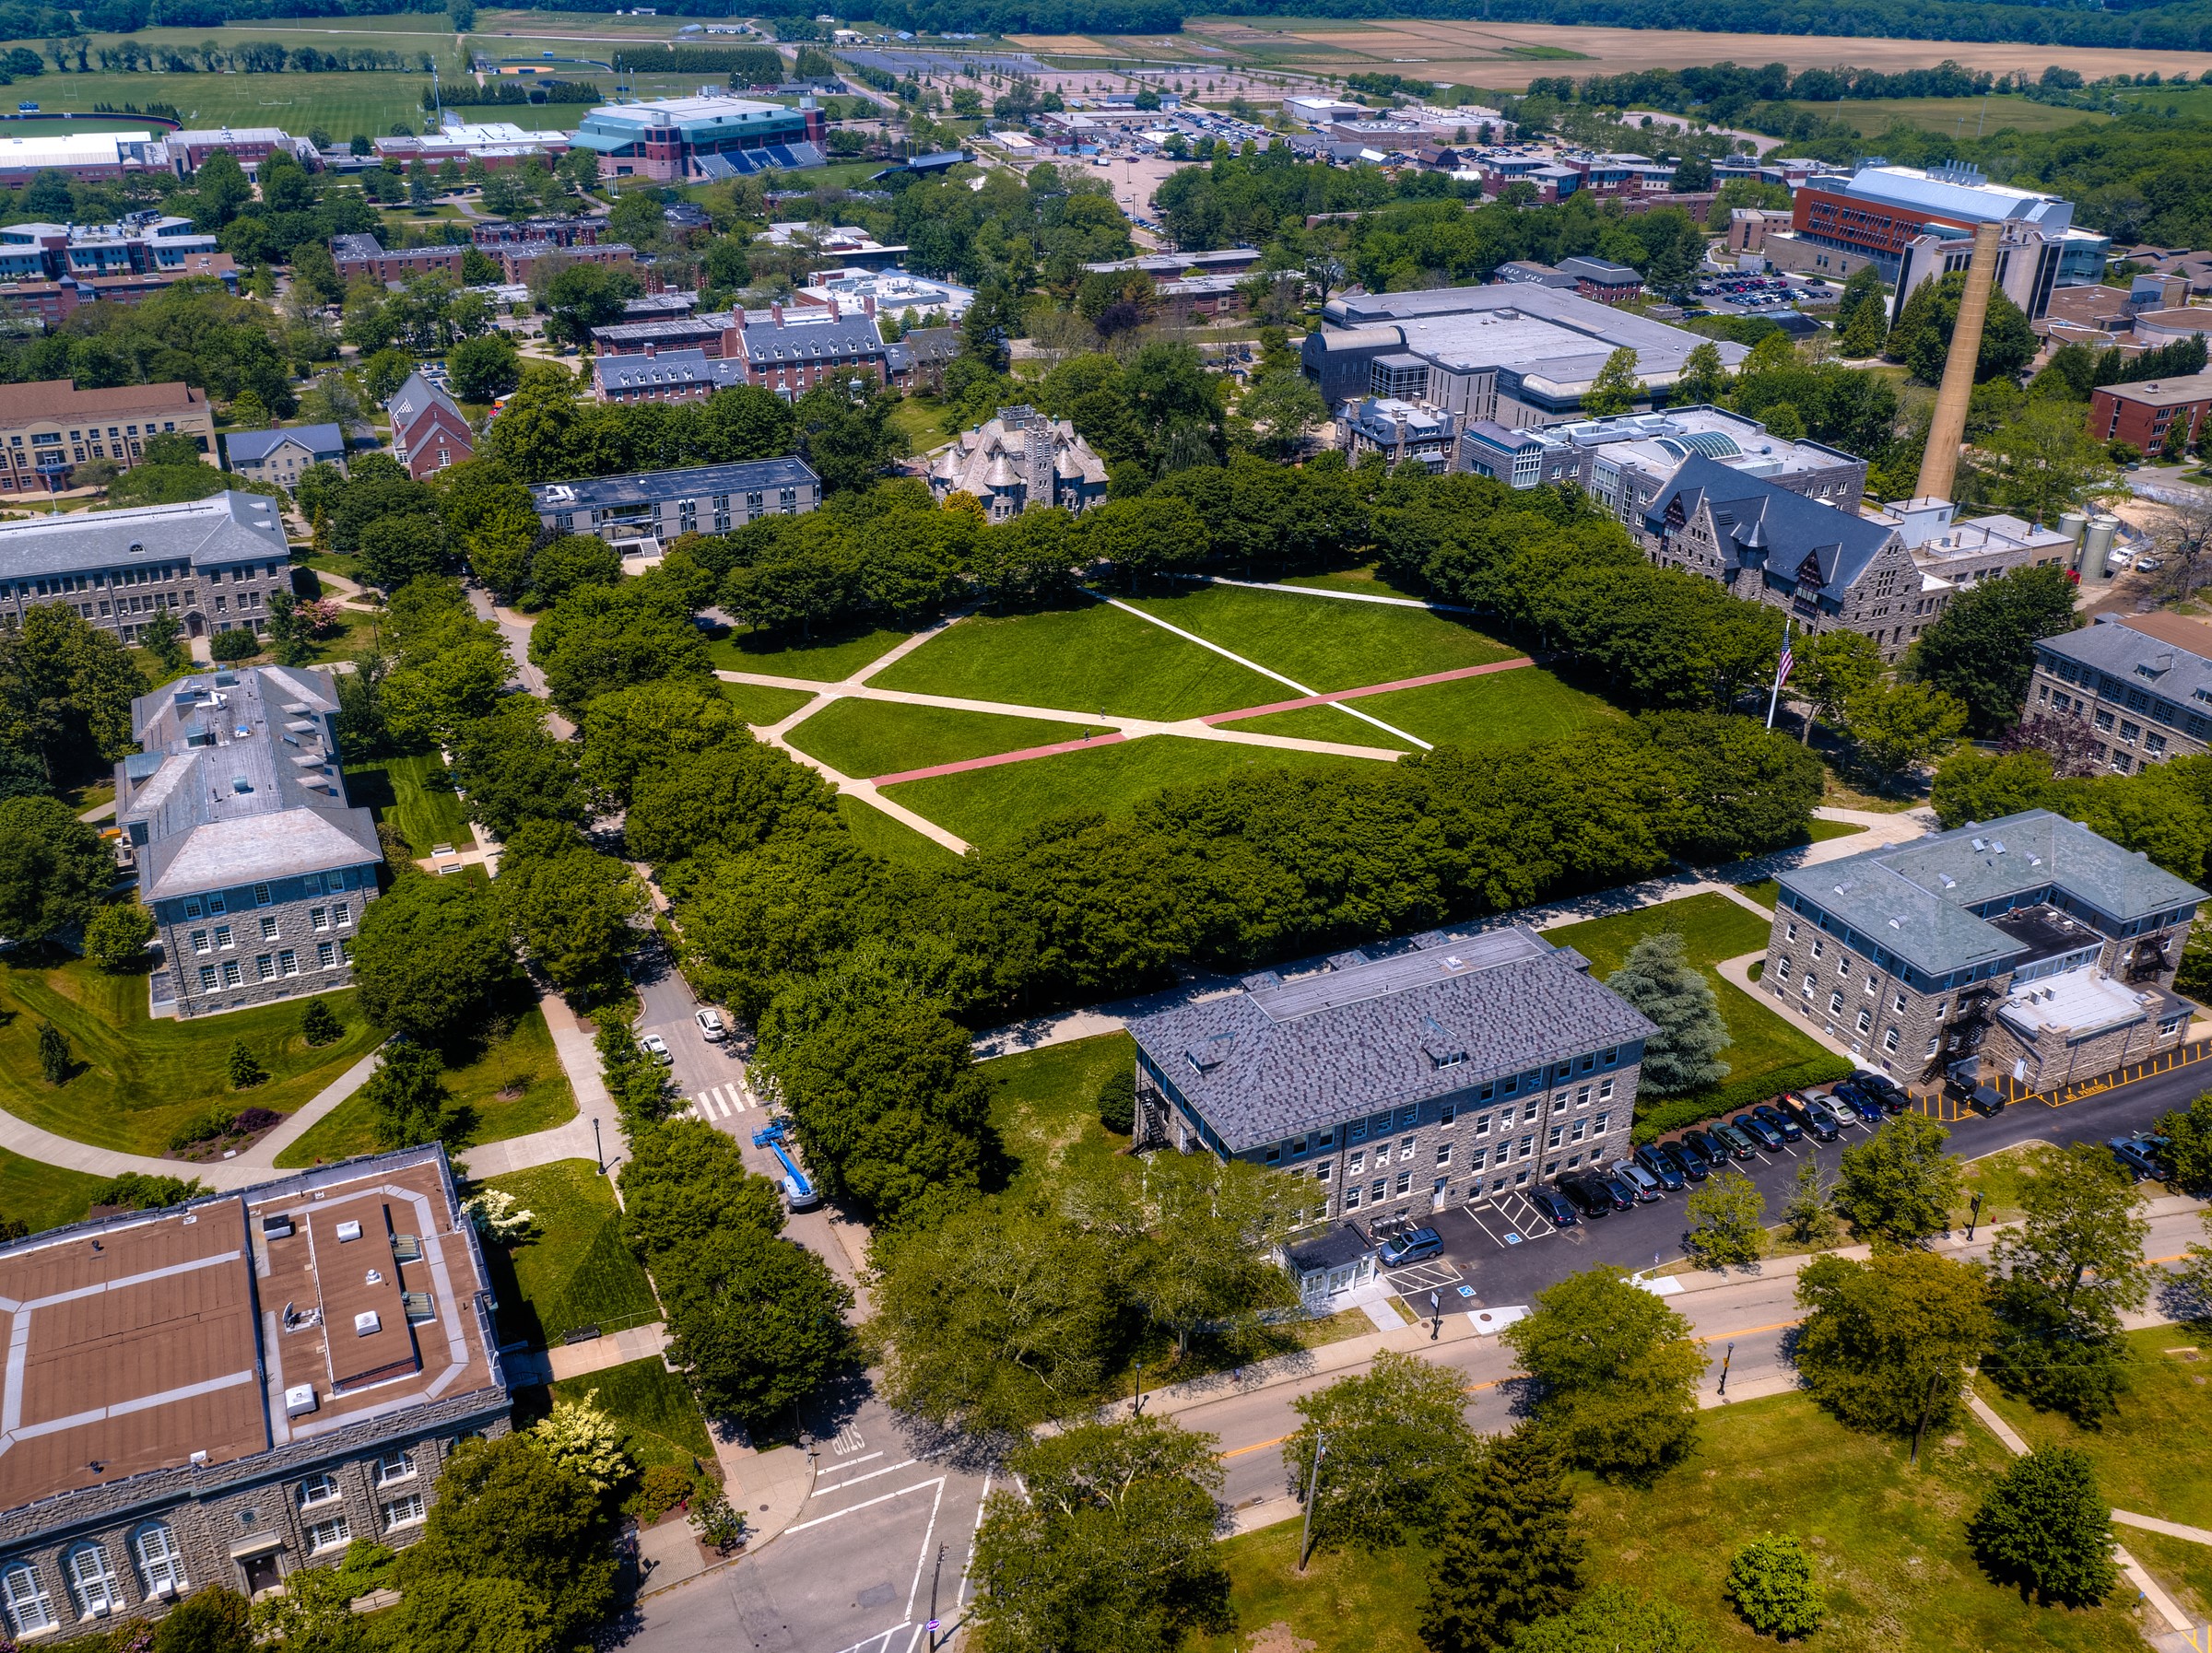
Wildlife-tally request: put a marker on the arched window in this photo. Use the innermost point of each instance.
(92, 1580)
(160, 1563)
(29, 1610)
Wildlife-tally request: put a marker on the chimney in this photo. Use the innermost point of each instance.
(1939, 465)
(868, 305)
(650, 351)
(776, 311)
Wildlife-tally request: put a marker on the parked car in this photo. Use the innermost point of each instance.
(1706, 1146)
(1589, 1201)
(710, 1024)
(1415, 1245)
(2139, 1164)
(2161, 1150)
(654, 1046)
(1811, 1118)
(1776, 1119)
(1658, 1163)
(1646, 1185)
(1758, 1131)
(1554, 1205)
(1618, 1189)
(1862, 1103)
(1735, 1143)
(1884, 1089)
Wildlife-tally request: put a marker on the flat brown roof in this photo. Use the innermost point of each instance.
(2193, 636)
(145, 1340)
(60, 399)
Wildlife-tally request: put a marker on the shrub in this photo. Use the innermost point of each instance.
(234, 645)
(1772, 1583)
(660, 1490)
(1677, 1112)
(55, 1064)
(134, 1190)
(715, 1521)
(116, 935)
(2046, 1528)
(251, 1119)
(1117, 1101)
(246, 1071)
(318, 1026)
(498, 1216)
(205, 1126)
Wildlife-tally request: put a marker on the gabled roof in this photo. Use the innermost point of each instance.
(414, 401)
(224, 528)
(1796, 539)
(251, 447)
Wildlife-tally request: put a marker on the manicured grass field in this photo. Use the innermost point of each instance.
(988, 806)
(1322, 642)
(512, 1089)
(43, 1196)
(866, 738)
(2150, 1458)
(1503, 710)
(777, 654)
(1046, 1108)
(1094, 658)
(577, 1271)
(137, 1078)
(1367, 579)
(892, 838)
(760, 705)
(339, 104)
(416, 792)
(1888, 1540)
(1326, 723)
(1712, 928)
(1819, 831)
(657, 1407)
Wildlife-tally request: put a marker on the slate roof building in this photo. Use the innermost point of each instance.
(641, 512)
(280, 456)
(1019, 459)
(2142, 683)
(2025, 948)
(214, 563)
(232, 1389)
(1462, 1068)
(247, 855)
(428, 430)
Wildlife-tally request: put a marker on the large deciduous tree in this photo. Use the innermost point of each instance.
(1980, 648)
(756, 1320)
(54, 871)
(2047, 1527)
(1394, 1443)
(1886, 1343)
(1613, 1372)
(430, 956)
(1899, 1185)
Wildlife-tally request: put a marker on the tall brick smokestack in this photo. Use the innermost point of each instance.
(1939, 465)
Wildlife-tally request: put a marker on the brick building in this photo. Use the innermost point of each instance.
(2027, 946)
(230, 1390)
(360, 256)
(1462, 1068)
(428, 430)
(48, 427)
(2145, 414)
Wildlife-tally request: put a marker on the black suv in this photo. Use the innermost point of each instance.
(1554, 1205)
(1592, 1203)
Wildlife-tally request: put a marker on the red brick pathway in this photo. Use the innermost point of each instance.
(1373, 689)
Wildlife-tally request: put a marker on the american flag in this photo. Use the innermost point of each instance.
(1782, 666)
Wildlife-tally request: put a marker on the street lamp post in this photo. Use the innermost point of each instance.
(1973, 1217)
(1138, 1406)
(598, 1155)
(1728, 1355)
(1436, 1315)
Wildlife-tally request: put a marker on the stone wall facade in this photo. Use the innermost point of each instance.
(261, 943)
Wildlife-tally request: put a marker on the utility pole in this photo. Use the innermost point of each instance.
(935, 1572)
(1305, 1531)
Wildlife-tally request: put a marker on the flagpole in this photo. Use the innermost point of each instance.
(1781, 667)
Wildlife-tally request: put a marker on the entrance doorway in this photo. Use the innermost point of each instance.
(262, 1572)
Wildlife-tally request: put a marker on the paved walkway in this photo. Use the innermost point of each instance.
(1373, 688)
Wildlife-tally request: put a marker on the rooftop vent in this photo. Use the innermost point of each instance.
(1981, 843)
(367, 1323)
(239, 783)
(1998, 844)
(276, 1228)
(1950, 882)
(349, 1230)
(300, 1399)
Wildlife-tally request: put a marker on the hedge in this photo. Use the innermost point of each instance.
(1675, 1113)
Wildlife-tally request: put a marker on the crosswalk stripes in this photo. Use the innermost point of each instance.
(717, 1104)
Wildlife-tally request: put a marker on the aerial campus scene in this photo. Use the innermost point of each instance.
(1095, 830)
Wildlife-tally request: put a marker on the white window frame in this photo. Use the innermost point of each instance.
(333, 1533)
(404, 1511)
(269, 927)
(161, 1560)
(92, 1581)
(29, 1608)
(319, 1489)
(395, 1467)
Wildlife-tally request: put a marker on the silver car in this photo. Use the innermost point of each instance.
(710, 1024)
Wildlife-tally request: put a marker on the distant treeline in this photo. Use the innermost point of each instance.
(508, 93)
(248, 57)
(757, 64)
(1681, 90)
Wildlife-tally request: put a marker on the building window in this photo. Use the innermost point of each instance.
(265, 968)
(1380, 1192)
(29, 1610)
(159, 1561)
(1818, 947)
(404, 1511)
(318, 919)
(1933, 1043)
(338, 915)
(324, 1536)
(326, 955)
(1404, 1184)
(268, 928)
(199, 942)
(222, 935)
(1351, 1198)
(1873, 987)
(318, 1489)
(1843, 967)
(261, 895)
(207, 979)
(1781, 970)
(92, 1581)
(1358, 1163)
(1865, 1020)
(231, 973)
(1835, 1004)
(1604, 1090)
(288, 962)
(1890, 1040)
(1449, 1112)
(1558, 1136)
(1443, 1154)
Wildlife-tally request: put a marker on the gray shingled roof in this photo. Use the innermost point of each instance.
(221, 530)
(797, 342)
(2141, 662)
(642, 488)
(251, 447)
(666, 369)
(1896, 895)
(1755, 514)
(1285, 1056)
(416, 398)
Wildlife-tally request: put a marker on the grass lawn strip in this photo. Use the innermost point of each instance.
(1091, 659)
(1366, 581)
(866, 738)
(1494, 712)
(994, 805)
(1326, 723)
(1888, 1540)
(655, 1406)
(514, 1088)
(1046, 1108)
(1327, 645)
(825, 659)
(416, 793)
(890, 837)
(762, 706)
(1712, 928)
(577, 1271)
(43, 1196)
(139, 1079)
(2144, 1457)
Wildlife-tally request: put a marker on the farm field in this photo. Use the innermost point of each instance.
(1888, 1540)
(1955, 117)
(866, 738)
(993, 806)
(1325, 644)
(1079, 660)
(1504, 708)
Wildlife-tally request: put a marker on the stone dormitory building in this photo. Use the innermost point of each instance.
(213, 563)
(246, 852)
(2027, 947)
(1460, 1068)
(2142, 682)
(230, 1390)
